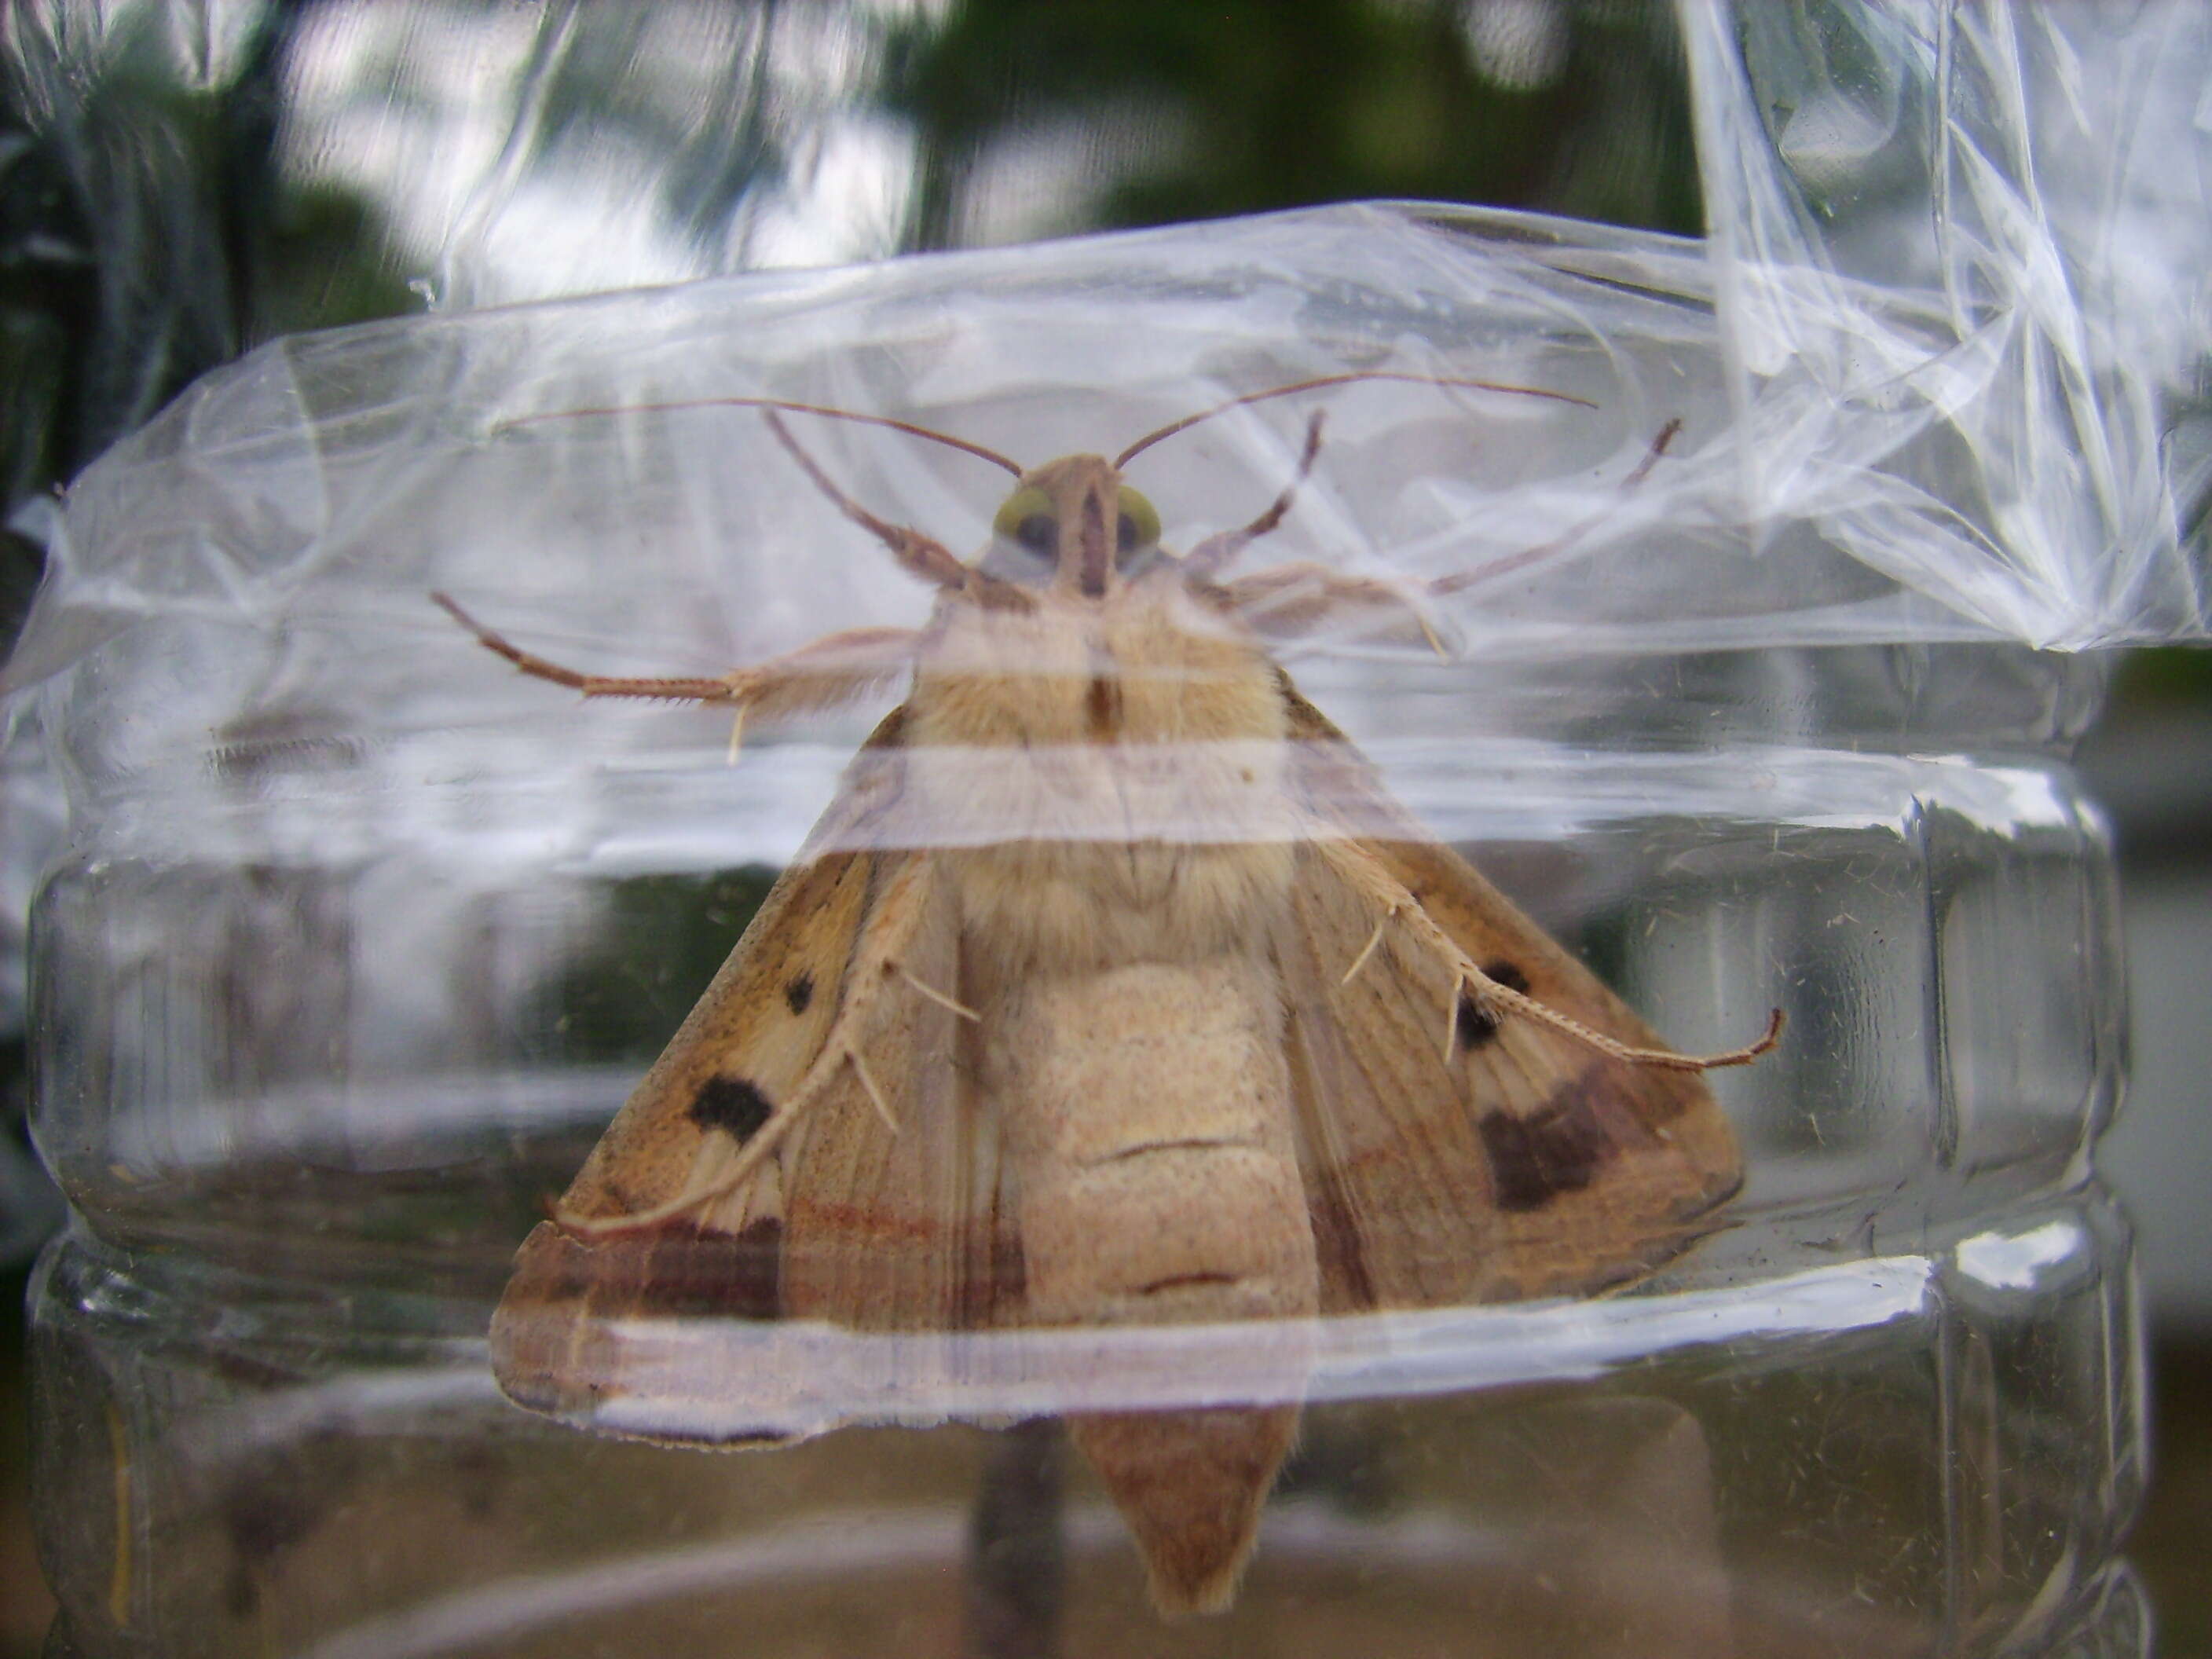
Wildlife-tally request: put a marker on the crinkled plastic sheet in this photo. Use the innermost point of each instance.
(274, 535)
(1938, 363)
(2036, 183)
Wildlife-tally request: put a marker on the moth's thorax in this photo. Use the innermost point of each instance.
(1107, 777)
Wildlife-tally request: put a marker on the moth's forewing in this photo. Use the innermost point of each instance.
(898, 1229)
(1523, 1162)
(746, 1044)
(877, 1234)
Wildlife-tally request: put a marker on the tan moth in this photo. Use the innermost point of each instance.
(1275, 1054)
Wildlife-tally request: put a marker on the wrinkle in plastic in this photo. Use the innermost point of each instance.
(2035, 179)
(268, 543)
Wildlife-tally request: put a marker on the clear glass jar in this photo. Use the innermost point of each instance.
(359, 944)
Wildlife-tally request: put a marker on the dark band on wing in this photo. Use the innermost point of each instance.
(1336, 1240)
(735, 1105)
(1557, 1150)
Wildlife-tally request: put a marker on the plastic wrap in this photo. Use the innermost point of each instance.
(357, 471)
(2037, 176)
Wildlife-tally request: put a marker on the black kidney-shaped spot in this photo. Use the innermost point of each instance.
(735, 1105)
(1472, 1024)
(1557, 1150)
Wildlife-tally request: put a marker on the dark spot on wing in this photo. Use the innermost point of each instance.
(734, 1105)
(1336, 1241)
(799, 992)
(1474, 1025)
(1558, 1149)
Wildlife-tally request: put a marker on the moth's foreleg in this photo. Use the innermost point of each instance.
(1294, 600)
(592, 686)
(1461, 579)
(920, 554)
(1215, 553)
(833, 670)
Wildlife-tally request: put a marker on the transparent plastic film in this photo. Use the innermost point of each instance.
(1299, 894)
(2031, 446)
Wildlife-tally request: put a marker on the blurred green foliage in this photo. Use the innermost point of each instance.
(658, 942)
(2164, 678)
(1256, 105)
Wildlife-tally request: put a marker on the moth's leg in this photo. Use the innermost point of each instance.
(1213, 554)
(834, 669)
(592, 686)
(1528, 556)
(1293, 600)
(922, 555)
(1394, 907)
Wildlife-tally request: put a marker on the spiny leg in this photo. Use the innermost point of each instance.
(1398, 908)
(1291, 601)
(922, 556)
(1512, 561)
(1215, 553)
(592, 686)
(832, 669)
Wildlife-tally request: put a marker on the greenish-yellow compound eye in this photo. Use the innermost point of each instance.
(1025, 519)
(1140, 522)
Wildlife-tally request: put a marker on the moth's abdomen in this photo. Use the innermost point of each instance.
(1147, 1118)
(1147, 1123)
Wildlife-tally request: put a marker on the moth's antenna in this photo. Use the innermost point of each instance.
(908, 427)
(1315, 385)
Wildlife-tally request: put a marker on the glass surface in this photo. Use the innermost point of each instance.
(358, 945)
(1891, 1408)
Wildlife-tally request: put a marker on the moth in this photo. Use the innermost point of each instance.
(1191, 1022)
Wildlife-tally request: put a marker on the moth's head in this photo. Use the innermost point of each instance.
(1072, 525)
